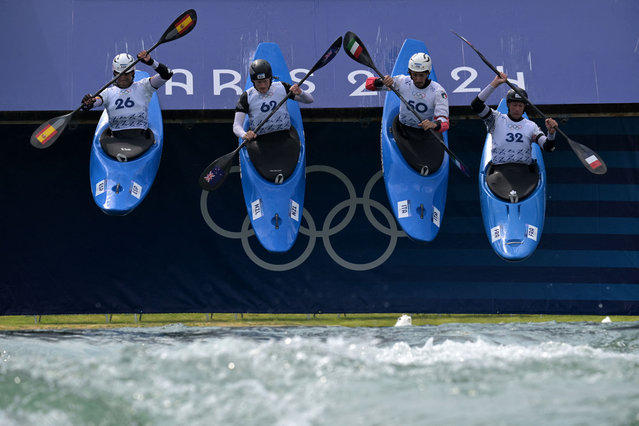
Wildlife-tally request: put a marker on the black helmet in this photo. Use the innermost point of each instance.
(514, 96)
(260, 70)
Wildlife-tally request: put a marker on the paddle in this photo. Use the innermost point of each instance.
(589, 158)
(216, 173)
(45, 135)
(354, 48)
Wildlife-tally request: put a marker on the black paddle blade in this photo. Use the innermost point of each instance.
(472, 47)
(216, 173)
(464, 39)
(45, 135)
(329, 54)
(354, 48)
(183, 25)
(589, 158)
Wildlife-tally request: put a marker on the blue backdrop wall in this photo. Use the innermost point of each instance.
(561, 52)
(184, 250)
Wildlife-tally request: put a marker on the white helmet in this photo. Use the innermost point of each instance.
(420, 62)
(122, 61)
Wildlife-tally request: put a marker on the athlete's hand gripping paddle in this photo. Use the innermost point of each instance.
(45, 135)
(216, 173)
(354, 48)
(589, 158)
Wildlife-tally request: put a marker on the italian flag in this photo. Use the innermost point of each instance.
(46, 134)
(354, 47)
(593, 162)
(185, 23)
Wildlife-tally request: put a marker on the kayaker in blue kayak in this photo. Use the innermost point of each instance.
(258, 101)
(429, 100)
(512, 138)
(126, 103)
(277, 145)
(418, 146)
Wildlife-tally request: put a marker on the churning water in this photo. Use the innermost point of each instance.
(455, 374)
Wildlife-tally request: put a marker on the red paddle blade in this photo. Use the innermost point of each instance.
(183, 25)
(45, 135)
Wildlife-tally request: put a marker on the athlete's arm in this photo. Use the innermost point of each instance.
(298, 94)
(238, 124)
(241, 109)
(376, 83)
(164, 73)
(441, 111)
(478, 104)
(548, 142)
(304, 97)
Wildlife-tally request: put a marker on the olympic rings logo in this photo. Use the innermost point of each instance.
(419, 95)
(515, 126)
(327, 230)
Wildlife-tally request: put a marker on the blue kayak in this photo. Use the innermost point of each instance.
(417, 200)
(120, 185)
(275, 207)
(513, 225)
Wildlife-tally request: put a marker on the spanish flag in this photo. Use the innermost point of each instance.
(46, 134)
(354, 48)
(184, 24)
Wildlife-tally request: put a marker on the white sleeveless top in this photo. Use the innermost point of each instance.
(128, 108)
(431, 102)
(512, 140)
(260, 105)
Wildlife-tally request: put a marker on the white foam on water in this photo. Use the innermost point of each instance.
(403, 321)
(323, 376)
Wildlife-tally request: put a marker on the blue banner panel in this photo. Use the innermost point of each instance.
(185, 250)
(561, 52)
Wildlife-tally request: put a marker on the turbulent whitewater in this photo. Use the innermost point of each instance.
(470, 374)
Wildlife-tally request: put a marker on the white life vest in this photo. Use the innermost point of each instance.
(512, 140)
(431, 102)
(128, 108)
(260, 105)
